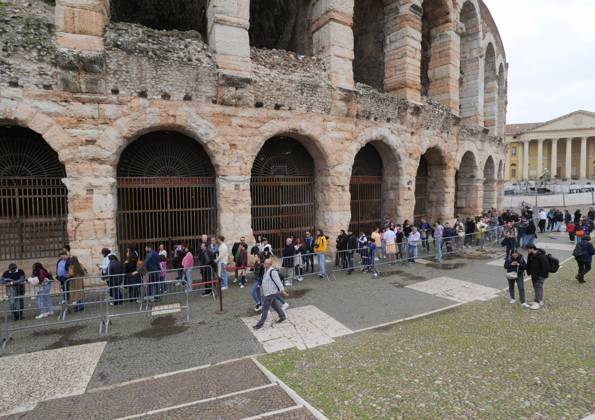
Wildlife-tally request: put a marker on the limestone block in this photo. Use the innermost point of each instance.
(79, 21)
(79, 42)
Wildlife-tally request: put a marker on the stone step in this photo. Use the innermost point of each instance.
(154, 393)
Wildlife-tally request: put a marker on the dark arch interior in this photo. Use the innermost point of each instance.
(282, 191)
(165, 154)
(368, 33)
(166, 192)
(281, 24)
(431, 176)
(366, 190)
(33, 199)
(183, 15)
(465, 185)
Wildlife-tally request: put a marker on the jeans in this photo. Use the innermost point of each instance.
(349, 261)
(583, 268)
(255, 292)
(44, 301)
(270, 301)
(528, 239)
(188, 279)
(16, 298)
(223, 274)
(154, 289)
(510, 244)
(538, 287)
(63, 286)
(520, 284)
(321, 263)
(557, 226)
(412, 252)
(438, 246)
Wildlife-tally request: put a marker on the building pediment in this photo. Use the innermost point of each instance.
(578, 120)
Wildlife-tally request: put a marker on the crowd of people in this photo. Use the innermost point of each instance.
(133, 279)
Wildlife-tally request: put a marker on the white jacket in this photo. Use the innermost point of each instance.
(223, 254)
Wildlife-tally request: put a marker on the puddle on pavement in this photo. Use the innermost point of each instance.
(447, 266)
(65, 337)
(163, 326)
(298, 293)
(412, 278)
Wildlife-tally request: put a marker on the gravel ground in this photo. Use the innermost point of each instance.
(481, 360)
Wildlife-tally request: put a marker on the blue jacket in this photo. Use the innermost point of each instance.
(151, 262)
(587, 251)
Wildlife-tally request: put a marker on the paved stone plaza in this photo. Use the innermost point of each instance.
(142, 347)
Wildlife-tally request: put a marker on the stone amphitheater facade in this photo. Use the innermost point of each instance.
(423, 83)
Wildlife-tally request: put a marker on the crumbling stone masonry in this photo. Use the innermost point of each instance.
(433, 102)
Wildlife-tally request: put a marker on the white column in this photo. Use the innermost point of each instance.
(554, 163)
(583, 164)
(539, 158)
(525, 159)
(568, 168)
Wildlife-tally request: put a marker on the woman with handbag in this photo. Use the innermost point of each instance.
(515, 266)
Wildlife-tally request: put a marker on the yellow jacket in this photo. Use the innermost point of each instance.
(321, 244)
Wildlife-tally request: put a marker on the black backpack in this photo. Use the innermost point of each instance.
(553, 262)
(578, 251)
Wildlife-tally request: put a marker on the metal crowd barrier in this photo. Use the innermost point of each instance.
(302, 267)
(102, 298)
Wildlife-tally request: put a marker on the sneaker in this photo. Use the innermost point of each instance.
(285, 306)
(280, 320)
(512, 301)
(139, 301)
(242, 286)
(257, 327)
(525, 305)
(50, 313)
(235, 280)
(300, 279)
(40, 316)
(224, 288)
(258, 308)
(207, 294)
(535, 306)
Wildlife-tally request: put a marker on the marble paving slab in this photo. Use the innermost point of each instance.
(456, 290)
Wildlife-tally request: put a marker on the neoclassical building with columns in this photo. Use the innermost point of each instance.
(563, 148)
(128, 122)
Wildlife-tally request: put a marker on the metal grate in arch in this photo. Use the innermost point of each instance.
(366, 190)
(283, 156)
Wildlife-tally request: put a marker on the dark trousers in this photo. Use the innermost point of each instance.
(541, 225)
(520, 284)
(269, 301)
(16, 297)
(309, 263)
(583, 268)
(63, 287)
(349, 261)
(154, 285)
(132, 284)
(114, 289)
(538, 287)
(205, 275)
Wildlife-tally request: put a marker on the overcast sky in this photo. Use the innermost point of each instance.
(550, 48)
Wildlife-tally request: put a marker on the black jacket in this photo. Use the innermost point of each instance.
(538, 265)
(352, 243)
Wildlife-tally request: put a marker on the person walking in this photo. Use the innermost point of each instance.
(438, 234)
(243, 264)
(222, 260)
(13, 280)
(510, 235)
(412, 241)
(538, 268)
(542, 220)
(320, 247)
(44, 300)
(583, 254)
(515, 266)
(272, 286)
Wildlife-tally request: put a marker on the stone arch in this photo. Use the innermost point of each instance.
(490, 184)
(502, 99)
(490, 95)
(369, 42)
(470, 65)
(432, 185)
(468, 182)
(437, 17)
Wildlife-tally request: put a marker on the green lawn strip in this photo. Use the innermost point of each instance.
(480, 360)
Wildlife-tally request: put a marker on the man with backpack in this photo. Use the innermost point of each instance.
(583, 254)
(272, 286)
(539, 265)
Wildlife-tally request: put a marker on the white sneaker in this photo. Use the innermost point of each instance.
(258, 308)
(512, 301)
(49, 313)
(285, 306)
(525, 305)
(300, 279)
(242, 286)
(40, 316)
(224, 288)
(535, 306)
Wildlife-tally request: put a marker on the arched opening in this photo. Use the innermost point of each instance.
(183, 15)
(281, 25)
(366, 190)
(502, 88)
(430, 185)
(470, 64)
(490, 185)
(490, 95)
(435, 16)
(368, 35)
(282, 191)
(33, 199)
(166, 192)
(467, 188)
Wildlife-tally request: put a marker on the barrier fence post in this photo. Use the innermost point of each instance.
(5, 332)
(220, 310)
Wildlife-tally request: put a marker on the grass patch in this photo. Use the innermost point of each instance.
(481, 360)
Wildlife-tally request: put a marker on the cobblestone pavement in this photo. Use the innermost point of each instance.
(143, 346)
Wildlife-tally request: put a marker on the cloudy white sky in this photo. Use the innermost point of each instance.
(550, 47)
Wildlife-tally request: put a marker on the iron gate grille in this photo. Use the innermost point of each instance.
(421, 189)
(366, 203)
(168, 210)
(282, 207)
(33, 217)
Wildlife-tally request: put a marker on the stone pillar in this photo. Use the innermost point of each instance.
(228, 23)
(525, 160)
(583, 164)
(554, 162)
(92, 205)
(79, 42)
(568, 168)
(539, 158)
(402, 52)
(332, 39)
(444, 69)
(233, 204)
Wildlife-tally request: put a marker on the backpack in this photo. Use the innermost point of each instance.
(553, 262)
(578, 251)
